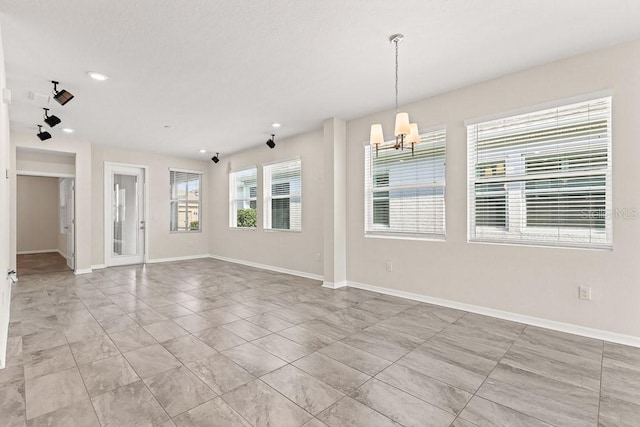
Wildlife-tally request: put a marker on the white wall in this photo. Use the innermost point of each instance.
(162, 243)
(38, 212)
(534, 281)
(6, 261)
(59, 164)
(298, 251)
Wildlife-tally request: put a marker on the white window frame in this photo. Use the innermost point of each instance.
(516, 230)
(268, 197)
(384, 230)
(172, 200)
(234, 199)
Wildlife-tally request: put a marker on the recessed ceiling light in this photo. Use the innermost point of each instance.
(275, 125)
(67, 130)
(167, 126)
(203, 151)
(97, 76)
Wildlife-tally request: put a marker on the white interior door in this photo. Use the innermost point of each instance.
(124, 215)
(70, 220)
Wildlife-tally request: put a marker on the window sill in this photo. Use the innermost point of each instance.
(277, 230)
(544, 245)
(243, 228)
(185, 232)
(426, 237)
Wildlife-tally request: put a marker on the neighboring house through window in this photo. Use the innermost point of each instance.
(283, 195)
(543, 177)
(405, 191)
(242, 194)
(185, 207)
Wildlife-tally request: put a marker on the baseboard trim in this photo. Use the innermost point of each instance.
(176, 258)
(507, 315)
(41, 251)
(98, 266)
(83, 271)
(334, 285)
(269, 267)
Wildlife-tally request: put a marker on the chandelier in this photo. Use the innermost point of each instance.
(405, 132)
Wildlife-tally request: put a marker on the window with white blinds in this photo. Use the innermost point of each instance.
(242, 198)
(283, 196)
(405, 192)
(543, 178)
(185, 209)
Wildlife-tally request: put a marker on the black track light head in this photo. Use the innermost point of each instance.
(271, 143)
(50, 120)
(216, 159)
(61, 96)
(43, 135)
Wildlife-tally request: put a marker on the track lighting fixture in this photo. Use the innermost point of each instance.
(61, 96)
(271, 143)
(50, 120)
(43, 135)
(216, 159)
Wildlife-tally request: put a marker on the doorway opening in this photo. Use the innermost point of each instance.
(45, 221)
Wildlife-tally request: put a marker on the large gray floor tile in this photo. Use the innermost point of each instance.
(132, 339)
(220, 373)
(93, 349)
(332, 372)
(53, 391)
(246, 330)
(77, 414)
(107, 374)
(351, 413)
(48, 361)
(254, 359)
(618, 413)
(178, 390)
(282, 347)
(188, 348)
(262, 406)
(400, 406)
(355, 358)
(165, 330)
(129, 405)
(215, 412)
(219, 338)
(430, 390)
(485, 413)
(306, 391)
(149, 361)
(12, 403)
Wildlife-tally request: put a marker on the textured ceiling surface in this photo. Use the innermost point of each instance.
(218, 73)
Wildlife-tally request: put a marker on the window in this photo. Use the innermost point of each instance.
(283, 196)
(404, 191)
(242, 194)
(185, 200)
(543, 177)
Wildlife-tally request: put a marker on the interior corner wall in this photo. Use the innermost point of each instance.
(7, 213)
(162, 244)
(38, 212)
(81, 149)
(297, 251)
(527, 280)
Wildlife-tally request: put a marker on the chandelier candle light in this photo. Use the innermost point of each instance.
(405, 132)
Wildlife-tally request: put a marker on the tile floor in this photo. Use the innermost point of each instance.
(208, 343)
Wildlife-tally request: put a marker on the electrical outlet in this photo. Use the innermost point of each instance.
(584, 292)
(389, 266)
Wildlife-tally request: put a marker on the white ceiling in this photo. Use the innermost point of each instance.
(220, 72)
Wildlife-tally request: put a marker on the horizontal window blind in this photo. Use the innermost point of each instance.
(405, 192)
(543, 177)
(184, 207)
(242, 198)
(283, 195)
